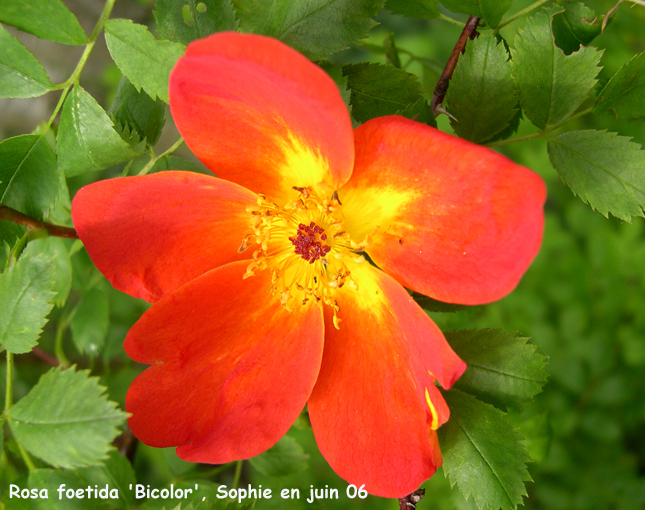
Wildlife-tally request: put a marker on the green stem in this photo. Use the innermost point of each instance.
(521, 13)
(540, 134)
(73, 79)
(238, 473)
(8, 398)
(450, 20)
(25, 457)
(153, 160)
(58, 345)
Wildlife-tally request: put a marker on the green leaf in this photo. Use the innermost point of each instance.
(86, 139)
(47, 19)
(552, 85)
(116, 473)
(503, 370)
(483, 453)
(66, 420)
(55, 249)
(576, 25)
(491, 10)
(28, 177)
(432, 305)
(624, 94)
(52, 479)
(378, 90)
(176, 163)
(25, 300)
(316, 28)
(605, 170)
(205, 17)
(335, 72)
(90, 322)
(419, 111)
(21, 75)
(425, 9)
(286, 457)
(138, 111)
(482, 96)
(145, 61)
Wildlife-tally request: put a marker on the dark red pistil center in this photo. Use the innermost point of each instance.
(309, 242)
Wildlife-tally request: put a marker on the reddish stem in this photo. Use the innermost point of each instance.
(442, 85)
(9, 214)
(410, 501)
(46, 357)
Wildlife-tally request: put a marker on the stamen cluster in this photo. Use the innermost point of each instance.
(308, 242)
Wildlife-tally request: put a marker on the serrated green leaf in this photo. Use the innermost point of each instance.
(52, 479)
(624, 94)
(25, 300)
(482, 96)
(483, 453)
(86, 139)
(117, 473)
(206, 17)
(66, 419)
(316, 28)
(145, 61)
(47, 19)
(286, 457)
(336, 73)
(605, 170)
(378, 90)
(551, 84)
(424, 9)
(420, 112)
(55, 249)
(491, 10)
(21, 75)
(574, 26)
(138, 111)
(503, 369)
(90, 322)
(28, 177)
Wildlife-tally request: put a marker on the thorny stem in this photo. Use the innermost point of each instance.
(539, 134)
(73, 79)
(523, 12)
(7, 213)
(442, 85)
(153, 159)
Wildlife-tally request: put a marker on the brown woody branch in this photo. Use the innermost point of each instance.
(9, 214)
(469, 32)
(410, 501)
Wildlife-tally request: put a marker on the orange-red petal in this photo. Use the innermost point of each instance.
(231, 368)
(375, 407)
(260, 114)
(151, 234)
(452, 220)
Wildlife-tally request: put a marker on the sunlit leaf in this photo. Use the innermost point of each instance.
(47, 19)
(605, 170)
(66, 419)
(21, 75)
(483, 453)
(26, 298)
(145, 61)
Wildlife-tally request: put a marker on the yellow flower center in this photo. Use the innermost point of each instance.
(304, 246)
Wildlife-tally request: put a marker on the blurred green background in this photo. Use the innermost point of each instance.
(582, 301)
